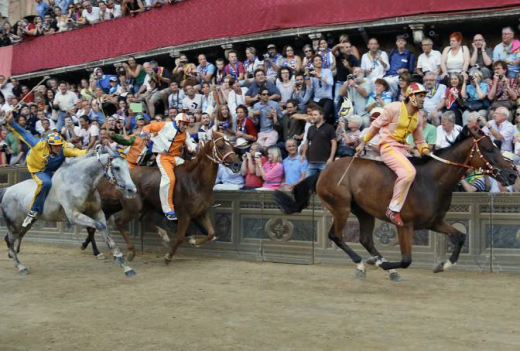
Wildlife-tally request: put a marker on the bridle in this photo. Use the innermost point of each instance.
(217, 156)
(488, 169)
(108, 173)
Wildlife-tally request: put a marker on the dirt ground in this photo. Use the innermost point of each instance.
(72, 301)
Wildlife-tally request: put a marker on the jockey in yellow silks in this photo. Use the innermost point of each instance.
(44, 158)
(171, 137)
(398, 120)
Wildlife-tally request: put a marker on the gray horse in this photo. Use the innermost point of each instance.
(73, 198)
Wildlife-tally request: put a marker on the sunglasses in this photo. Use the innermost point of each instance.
(306, 51)
(264, 94)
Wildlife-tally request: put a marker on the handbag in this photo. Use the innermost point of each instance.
(475, 105)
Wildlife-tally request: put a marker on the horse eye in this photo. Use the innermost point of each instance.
(116, 168)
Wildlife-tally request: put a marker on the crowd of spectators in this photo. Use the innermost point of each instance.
(288, 115)
(56, 16)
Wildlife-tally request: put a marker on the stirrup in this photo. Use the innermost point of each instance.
(394, 217)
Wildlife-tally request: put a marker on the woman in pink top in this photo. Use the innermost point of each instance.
(248, 170)
(271, 171)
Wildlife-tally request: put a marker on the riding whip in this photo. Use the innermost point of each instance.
(346, 171)
(22, 100)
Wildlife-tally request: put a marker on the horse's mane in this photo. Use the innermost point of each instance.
(74, 160)
(203, 151)
(463, 135)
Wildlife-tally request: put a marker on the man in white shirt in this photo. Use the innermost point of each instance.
(435, 97)
(500, 129)
(192, 102)
(90, 14)
(87, 132)
(65, 100)
(5, 86)
(375, 62)
(429, 60)
(39, 124)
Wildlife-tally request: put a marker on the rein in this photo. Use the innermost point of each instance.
(218, 157)
(475, 148)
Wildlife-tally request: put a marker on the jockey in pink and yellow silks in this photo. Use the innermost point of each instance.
(398, 120)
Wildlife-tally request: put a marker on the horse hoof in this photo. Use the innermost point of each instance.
(361, 274)
(9, 254)
(395, 277)
(167, 259)
(372, 260)
(130, 273)
(439, 268)
(130, 256)
(193, 242)
(83, 247)
(23, 271)
(100, 256)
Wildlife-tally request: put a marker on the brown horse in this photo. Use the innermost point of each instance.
(367, 188)
(193, 196)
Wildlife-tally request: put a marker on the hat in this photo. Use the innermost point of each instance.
(508, 155)
(140, 117)
(271, 46)
(113, 79)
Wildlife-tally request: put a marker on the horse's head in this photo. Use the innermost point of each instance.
(486, 155)
(118, 172)
(223, 152)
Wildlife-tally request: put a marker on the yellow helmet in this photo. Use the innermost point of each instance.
(54, 139)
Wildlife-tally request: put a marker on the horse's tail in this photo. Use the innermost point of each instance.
(302, 193)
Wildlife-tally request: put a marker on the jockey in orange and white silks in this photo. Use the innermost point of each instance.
(171, 137)
(398, 120)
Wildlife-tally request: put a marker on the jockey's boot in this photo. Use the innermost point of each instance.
(31, 216)
(395, 217)
(172, 216)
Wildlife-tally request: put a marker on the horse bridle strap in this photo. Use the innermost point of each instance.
(107, 170)
(218, 157)
(490, 169)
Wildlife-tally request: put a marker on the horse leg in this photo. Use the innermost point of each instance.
(182, 226)
(99, 223)
(120, 221)
(10, 240)
(336, 235)
(446, 228)
(90, 239)
(366, 238)
(207, 227)
(405, 235)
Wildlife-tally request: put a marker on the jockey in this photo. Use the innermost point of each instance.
(168, 143)
(138, 153)
(44, 158)
(398, 120)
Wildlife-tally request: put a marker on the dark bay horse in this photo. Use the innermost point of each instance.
(366, 191)
(193, 196)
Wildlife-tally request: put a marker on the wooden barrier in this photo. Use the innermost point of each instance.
(249, 225)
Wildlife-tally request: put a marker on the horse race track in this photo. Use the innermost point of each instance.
(71, 301)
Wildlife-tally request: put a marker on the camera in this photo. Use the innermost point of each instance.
(298, 84)
(471, 78)
(351, 76)
(266, 56)
(500, 76)
(258, 154)
(250, 75)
